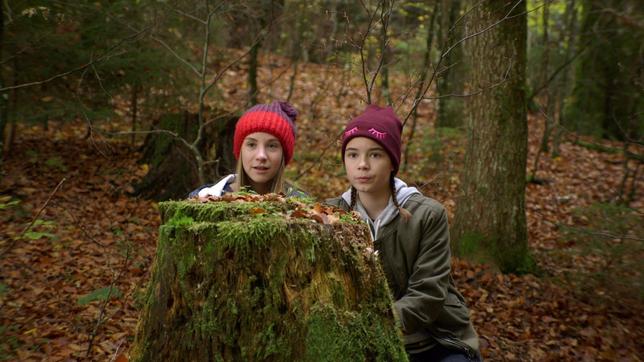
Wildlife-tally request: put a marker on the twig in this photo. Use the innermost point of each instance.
(13, 242)
(118, 348)
(362, 45)
(99, 320)
(88, 64)
(505, 78)
(317, 163)
(445, 52)
(603, 234)
(77, 224)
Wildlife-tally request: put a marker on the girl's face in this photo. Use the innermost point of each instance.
(261, 155)
(368, 166)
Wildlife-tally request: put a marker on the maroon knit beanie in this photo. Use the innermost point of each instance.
(277, 118)
(379, 124)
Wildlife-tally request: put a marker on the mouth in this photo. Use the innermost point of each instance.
(363, 179)
(261, 169)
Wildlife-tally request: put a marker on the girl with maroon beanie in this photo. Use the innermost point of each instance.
(411, 234)
(263, 145)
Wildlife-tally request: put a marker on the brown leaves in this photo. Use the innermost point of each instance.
(322, 214)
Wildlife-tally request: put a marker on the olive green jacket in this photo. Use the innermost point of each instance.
(415, 256)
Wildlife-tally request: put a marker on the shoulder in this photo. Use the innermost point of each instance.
(425, 206)
(337, 202)
(291, 190)
(195, 192)
(218, 189)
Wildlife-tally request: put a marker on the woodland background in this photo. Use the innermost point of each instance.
(524, 118)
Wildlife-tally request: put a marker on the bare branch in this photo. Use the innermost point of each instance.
(187, 15)
(445, 52)
(554, 74)
(99, 319)
(82, 229)
(184, 61)
(33, 220)
(107, 55)
(362, 45)
(505, 78)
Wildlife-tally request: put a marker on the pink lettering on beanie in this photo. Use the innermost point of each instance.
(379, 124)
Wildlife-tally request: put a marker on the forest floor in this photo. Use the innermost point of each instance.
(70, 235)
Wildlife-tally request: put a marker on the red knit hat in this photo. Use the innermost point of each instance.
(277, 118)
(379, 124)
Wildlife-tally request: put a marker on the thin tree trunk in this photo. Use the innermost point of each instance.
(564, 81)
(450, 109)
(134, 108)
(490, 213)
(252, 73)
(545, 61)
(3, 103)
(545, 72)
(11, 116)
(421, 82)
(291, 83)
(385, 15)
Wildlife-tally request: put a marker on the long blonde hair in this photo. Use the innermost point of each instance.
(243, 180)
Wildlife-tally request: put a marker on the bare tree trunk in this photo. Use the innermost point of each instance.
(291, 83)
(450, 108)
(563, 87)
(3, 103)
(252, 73)
(545, 73)
(385, 16)
(490, 217)
(421, 82)
(545, 61)
(10, 134)
(134, 108)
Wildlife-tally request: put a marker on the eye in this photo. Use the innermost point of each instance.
(376, 155)
(251, 144)
(351, 155)
(274, 146)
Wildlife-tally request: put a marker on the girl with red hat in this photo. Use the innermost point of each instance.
(411, 235)
(263, 145)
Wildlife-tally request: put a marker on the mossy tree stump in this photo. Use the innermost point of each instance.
(260, 280)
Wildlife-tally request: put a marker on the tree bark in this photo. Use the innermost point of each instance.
(490, 217)
(450, 108)
(606, 99)
(244, 281)
(134, 102)
(421, 82)
(173, 171)
(385, 16)
(568, 38)
(252, 73)
(3, 104)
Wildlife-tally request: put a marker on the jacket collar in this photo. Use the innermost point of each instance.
(403, 193)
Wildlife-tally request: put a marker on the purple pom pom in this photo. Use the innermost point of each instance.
(289, 110)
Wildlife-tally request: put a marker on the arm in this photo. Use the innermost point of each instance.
(427, 285)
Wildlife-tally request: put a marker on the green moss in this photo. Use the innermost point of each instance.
(243, 281)
(244, 235)
(350, 336)
(476, 247)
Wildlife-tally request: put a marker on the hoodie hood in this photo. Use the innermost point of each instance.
(219, 188)
(403, 193)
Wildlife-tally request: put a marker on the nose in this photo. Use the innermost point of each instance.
(363, 163)
(261, 153)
